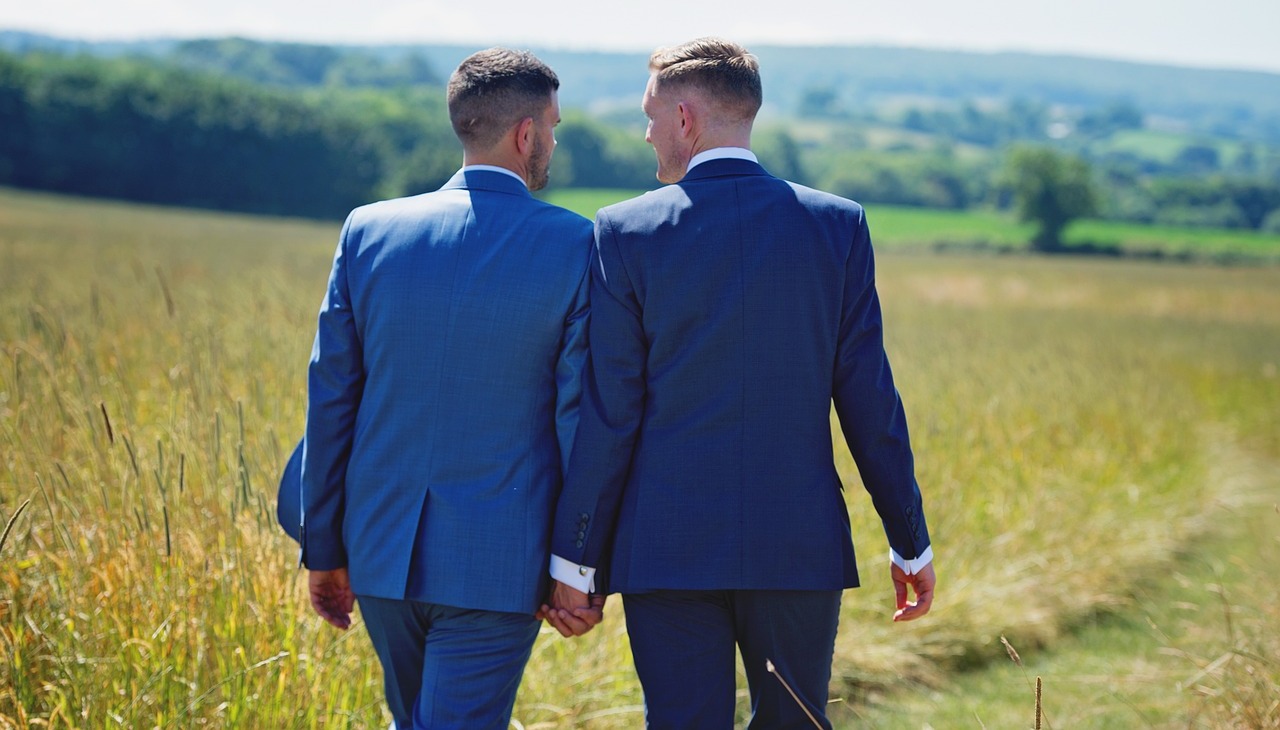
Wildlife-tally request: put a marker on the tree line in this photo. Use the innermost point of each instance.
(143, 131)
(311, 131)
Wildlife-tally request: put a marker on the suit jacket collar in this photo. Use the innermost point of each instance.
(487, 180)
(723, 167)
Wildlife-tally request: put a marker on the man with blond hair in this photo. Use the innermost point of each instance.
(729, 310)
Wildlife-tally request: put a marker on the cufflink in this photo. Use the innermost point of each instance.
(582, 570)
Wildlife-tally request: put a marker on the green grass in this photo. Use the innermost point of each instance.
(1169, 239)
(1165, 146)
(1149, 144)
(1192, 646)
(586, 201)
(1077, 422)
(901, 227)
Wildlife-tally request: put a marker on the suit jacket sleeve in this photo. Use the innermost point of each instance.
(611, 414)
(869, 408)
(335, 384)
(569, 370)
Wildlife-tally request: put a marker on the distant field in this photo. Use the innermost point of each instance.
(1164, 146)
(1149, 144)
(903, 227)
(1082, 427)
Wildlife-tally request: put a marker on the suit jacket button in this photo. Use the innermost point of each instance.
(582, 534)
(578, 543)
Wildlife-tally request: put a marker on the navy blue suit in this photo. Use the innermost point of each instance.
(728, 312)
(442, 402)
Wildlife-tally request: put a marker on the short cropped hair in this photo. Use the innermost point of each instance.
(493, 89)
(724, 70)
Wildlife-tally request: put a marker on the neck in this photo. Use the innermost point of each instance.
(736, 136)
(497, 160)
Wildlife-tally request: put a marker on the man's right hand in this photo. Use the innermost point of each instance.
(572, 612)
(331, 596)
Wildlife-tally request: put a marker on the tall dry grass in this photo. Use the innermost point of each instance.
(1065, 416)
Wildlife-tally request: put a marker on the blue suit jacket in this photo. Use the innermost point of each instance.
(443, 393)
(728, 312)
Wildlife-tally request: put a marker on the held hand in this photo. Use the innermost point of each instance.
(331, 596)
(572, 612)
(923, 582)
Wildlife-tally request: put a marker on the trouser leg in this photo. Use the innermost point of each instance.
(796, 631)
(683, 647)
(449, 667)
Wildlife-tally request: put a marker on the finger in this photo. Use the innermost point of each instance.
(924, 602)
(912, 612)
(900, 594)
(553, 618)
(589, 616)
(905, 613)
(334, 618)
(577, 626)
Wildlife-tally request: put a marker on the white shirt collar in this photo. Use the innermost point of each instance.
(721, 153)
(493, 168)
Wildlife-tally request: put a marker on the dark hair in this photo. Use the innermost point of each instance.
(493, 89)
(724, 70)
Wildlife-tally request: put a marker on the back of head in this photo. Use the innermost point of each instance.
(493, 89)
(724, 71)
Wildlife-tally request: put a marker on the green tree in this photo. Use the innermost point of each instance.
(1050, 190)
(780, 154)
(591, 154)
(819, 103)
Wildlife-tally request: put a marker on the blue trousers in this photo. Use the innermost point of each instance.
(447, 667)
(683, 644)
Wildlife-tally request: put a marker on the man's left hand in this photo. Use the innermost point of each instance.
(922, 581)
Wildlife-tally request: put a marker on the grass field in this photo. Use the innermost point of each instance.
(1097, 441)
(896, 227)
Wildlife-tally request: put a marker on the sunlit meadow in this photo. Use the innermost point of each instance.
(1077, 423)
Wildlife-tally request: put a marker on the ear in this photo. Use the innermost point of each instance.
(685, 111)
(524, 135)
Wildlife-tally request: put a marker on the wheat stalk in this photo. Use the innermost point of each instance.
(768, 664)
(4, 537)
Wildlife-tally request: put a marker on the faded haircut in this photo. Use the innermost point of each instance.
(493, 89)
(725, 71)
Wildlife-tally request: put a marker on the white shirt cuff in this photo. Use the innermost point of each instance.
(912, 566)
(573, 575)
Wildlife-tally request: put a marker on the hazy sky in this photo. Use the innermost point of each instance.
(1218, 33)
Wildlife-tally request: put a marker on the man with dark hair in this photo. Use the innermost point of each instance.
(729, 310)
(442, 403)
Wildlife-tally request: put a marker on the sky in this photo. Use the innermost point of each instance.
(1240, 34)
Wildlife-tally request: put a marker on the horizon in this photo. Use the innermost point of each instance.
(573, 48)
(1238, 35)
